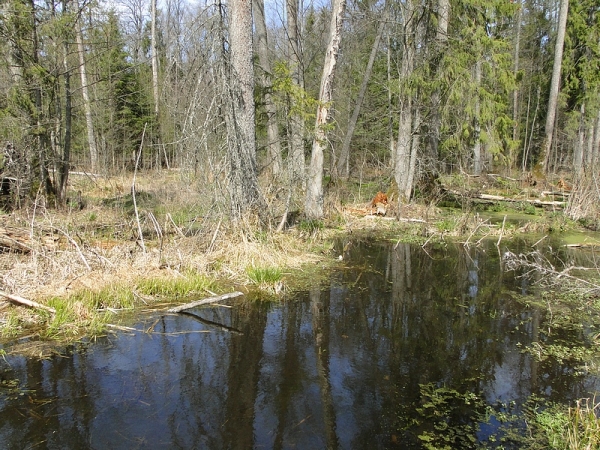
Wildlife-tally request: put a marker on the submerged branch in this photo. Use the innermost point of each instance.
(536, 262)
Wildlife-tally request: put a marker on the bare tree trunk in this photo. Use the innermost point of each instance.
(343, 161)
(87, 107)
(314, 191)
(390, 113)
(554, 85)
(595, 143)
(436, 116)
(477, 124)
(243, 176)
(296, 160)
(403, 146)
(154, 57)
(578, 148)
(63, 169)
(415, 144)
(516, 90)
(274, 147)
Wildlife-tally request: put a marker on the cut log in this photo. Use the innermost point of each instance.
(23, 301)
(205, 301)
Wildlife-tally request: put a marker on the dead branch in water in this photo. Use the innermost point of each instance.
(23, 301)
(535, 262)
(205, 301)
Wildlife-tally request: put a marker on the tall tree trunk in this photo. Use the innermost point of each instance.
(343, 161)
(389, 105)
(243, 175)
(314, 191)
(296, 159)
(414, 149)
(154, 57)
(403, 149)
(595, 144)
(273, 145)
(87, 107)
(402, 159)
(578, 148)
(477, 125)
(63, 169)
(554, 85)
(441, 39)
(41, 135)
(515, 99)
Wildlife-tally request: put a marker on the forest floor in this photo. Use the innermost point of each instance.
(109, 251)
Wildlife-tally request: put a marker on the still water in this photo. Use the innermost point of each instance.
(353, 363)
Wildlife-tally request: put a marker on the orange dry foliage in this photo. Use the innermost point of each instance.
(380, 198)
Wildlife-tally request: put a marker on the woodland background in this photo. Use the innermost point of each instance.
(253, 101)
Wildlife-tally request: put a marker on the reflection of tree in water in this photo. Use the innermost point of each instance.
(402, 344)
(321, 322)
(245, 354)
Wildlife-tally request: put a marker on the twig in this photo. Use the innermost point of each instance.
(205, 301)
(72, 241)
(501, 231)
(23, 301)
(137, 216)
(214, 238)
(179, 232)
(158, 231)
(539, 241)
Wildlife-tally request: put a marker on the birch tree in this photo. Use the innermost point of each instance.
(314, 189)
(87, 107)
(554, 85)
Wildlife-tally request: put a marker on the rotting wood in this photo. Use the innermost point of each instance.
(205, 301)
(23, 301)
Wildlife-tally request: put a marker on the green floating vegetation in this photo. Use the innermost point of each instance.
(441, 421)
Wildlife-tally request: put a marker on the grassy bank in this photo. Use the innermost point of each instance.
(108, 252)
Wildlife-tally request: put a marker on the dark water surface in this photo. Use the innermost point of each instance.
(354, 363)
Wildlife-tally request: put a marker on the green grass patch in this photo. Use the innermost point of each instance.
(189, 283)
(311, 225)
(264, 275)
(74, 318)
(11, 326)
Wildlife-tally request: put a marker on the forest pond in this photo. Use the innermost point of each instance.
(398, 347)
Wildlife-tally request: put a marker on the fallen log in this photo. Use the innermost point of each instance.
(20, 240)
(23, 301)
(205, 301)
(488, 198)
